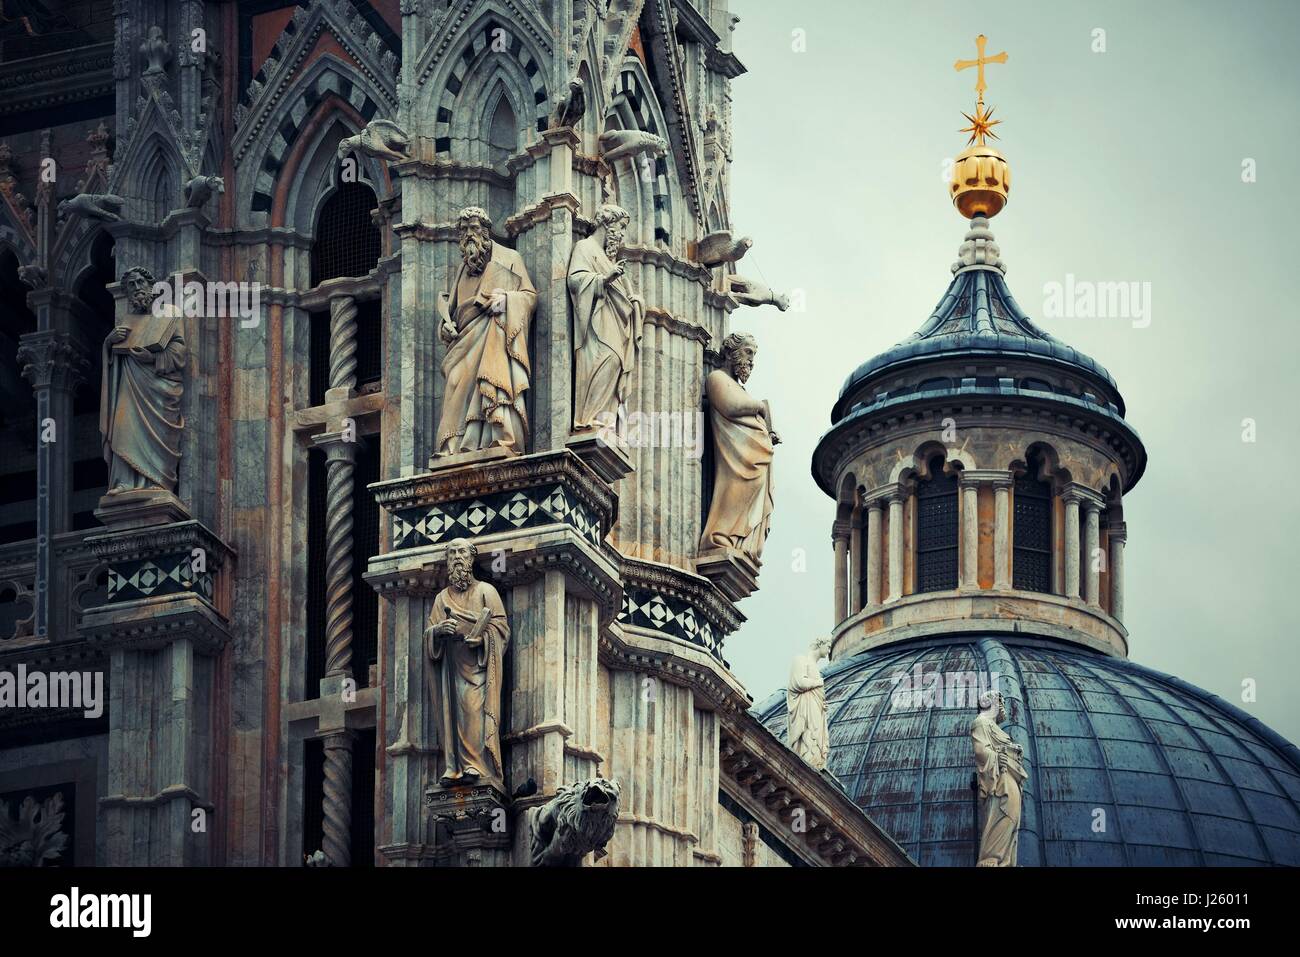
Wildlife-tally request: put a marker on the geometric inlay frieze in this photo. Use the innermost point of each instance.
(495, 512)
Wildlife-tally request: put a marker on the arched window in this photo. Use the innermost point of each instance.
(936, 530)
(1031, 565)
(347, 240)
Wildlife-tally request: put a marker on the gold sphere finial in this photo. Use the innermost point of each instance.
(981, 178)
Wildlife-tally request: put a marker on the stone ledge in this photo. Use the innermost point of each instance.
(153, 623)
(996, 611)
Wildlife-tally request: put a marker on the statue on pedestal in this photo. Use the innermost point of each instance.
(607, 322)
(140, 399)
(467, 639)
(484, 324)
(805, 703)
(743, 439)
(1000, 772)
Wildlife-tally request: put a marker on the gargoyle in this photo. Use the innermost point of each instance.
(200, 189)
(580, 819)
(103, 206)
(718, 248)
(751, 292)
(382, 138)
(617, 144)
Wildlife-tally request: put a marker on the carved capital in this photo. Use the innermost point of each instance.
(51, 360)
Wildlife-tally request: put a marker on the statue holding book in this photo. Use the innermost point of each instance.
(140, 398)
(467, 639)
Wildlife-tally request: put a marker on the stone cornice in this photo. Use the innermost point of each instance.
(1024, 411)
(677, 326)
(701, 593)
(154, 540)
(43, 82)
(150, 624)
(654, 256)
(775, 785)
(647, 652)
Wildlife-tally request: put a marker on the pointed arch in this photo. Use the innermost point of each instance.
(155, 189)
(267, 161)
(635, 107)
(460, 88)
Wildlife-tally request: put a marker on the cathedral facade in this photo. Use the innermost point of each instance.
(375, 435)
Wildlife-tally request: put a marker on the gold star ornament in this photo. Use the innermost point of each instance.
(981, 125)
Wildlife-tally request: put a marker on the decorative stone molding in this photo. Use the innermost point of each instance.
(1023, 612)
(688, 607)
(50, 359)
(784, 792)
(155, 562)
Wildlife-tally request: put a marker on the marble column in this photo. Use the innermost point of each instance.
(855, 562)
(874, 509)
(970, 533)
(1118, 537)
(1092, 551)
(1071, 499)
(896, 500)
(1002, 533)
(54, 365)
(840, 539)
(340, 449)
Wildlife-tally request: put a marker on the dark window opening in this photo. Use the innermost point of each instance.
(936, 530)
(347, 240)
(1031, 566)
(363, 797)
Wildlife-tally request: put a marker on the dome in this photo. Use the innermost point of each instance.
(977, 317)
(1127, 766)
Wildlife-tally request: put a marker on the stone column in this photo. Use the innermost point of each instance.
(896, 500)
(970, 532)
(874, 508)
(840, 539)
(1118, 537)
(54, 365)
(1092, 542)
(1072, 498)
(855, 562)
(340, 468)
(1002, 533)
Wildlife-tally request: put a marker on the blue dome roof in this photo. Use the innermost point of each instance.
(977, 316)
(1184, 778)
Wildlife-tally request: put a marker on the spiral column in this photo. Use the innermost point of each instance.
(340, 464)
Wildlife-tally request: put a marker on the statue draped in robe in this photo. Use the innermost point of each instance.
(607, 322)
(485, 327)
(467, 638)
(743, 439)
(805, 704)
(140, 395)
(1000, 772)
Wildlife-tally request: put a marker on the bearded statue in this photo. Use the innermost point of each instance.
(140, 399)
(484, 324)
(467, 639)
(607, 322)
(743, 440)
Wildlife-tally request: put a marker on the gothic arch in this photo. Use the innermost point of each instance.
(457, 87)
(328, 84)
(155, 187)
(655, 218)
(313, 175)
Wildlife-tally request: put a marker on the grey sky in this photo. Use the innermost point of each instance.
(1125, 166)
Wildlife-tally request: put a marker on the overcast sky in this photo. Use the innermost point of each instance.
(1126, 166)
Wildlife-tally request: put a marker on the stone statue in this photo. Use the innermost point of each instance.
(999, 768)
(607, 321)
(743, 440)
(140, 396)
(618, 144)
(467, 639)
(578, 820)
(102, 206)
(805, 703)
(718, 248)
(381, 138)
(751, 292)
(202, 188)
(485, 328)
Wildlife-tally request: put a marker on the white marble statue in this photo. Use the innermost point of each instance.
(607, 321)
(743, 439)
(1000, 771)
(484, 324)
(805, 703)
(467, 636)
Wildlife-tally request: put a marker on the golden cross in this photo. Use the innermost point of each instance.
(979, 61)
